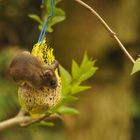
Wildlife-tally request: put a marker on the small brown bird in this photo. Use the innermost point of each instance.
(27, 69)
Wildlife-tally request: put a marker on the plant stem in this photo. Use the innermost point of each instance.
(21, 120)
(13, 122)
(109, 30)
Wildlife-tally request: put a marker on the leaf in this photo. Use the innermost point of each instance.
(66, 80)
(72, 84)
(136, 66)
(87, 68)
(65, 75)
(69, 98)
(75, 69)
(36, 18)
(87, 74)
(45, 123)
(64, 100)
(77, 89)
(67, 110)
(58, 17)
(85, 71)
(79, 74)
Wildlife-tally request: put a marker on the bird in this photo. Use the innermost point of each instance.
(36, 74)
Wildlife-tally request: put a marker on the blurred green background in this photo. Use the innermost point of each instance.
(108, 111)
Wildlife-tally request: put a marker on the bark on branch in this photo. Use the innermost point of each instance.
(22, 120)
(109, 30)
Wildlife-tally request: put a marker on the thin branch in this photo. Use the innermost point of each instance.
(21, 120)
(41, 118)
(13, 122)
(112, 34)
(33, 121)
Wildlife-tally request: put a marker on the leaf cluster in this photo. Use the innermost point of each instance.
(72, 84)
(59, 15)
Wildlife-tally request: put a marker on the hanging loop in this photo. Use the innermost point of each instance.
(44, 29)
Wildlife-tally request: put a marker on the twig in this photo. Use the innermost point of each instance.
(41, 118)
(21, 120)
(14, 122)
(33, 121)
(112, 34)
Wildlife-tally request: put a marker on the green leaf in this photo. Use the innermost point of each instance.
(69, 98)
(67, 110)
(85, 60)
(36, 18)
(76, 89)
(65, 75)
(75, 70)
(64, 100)
(58, 17)
(85, 71)
(87, 68)
(72, 84)
(66, 80)
(45, 123)
(136, 66)
(87, 74)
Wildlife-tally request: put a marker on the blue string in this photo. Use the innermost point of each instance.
(43, 31)
(45, 23)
